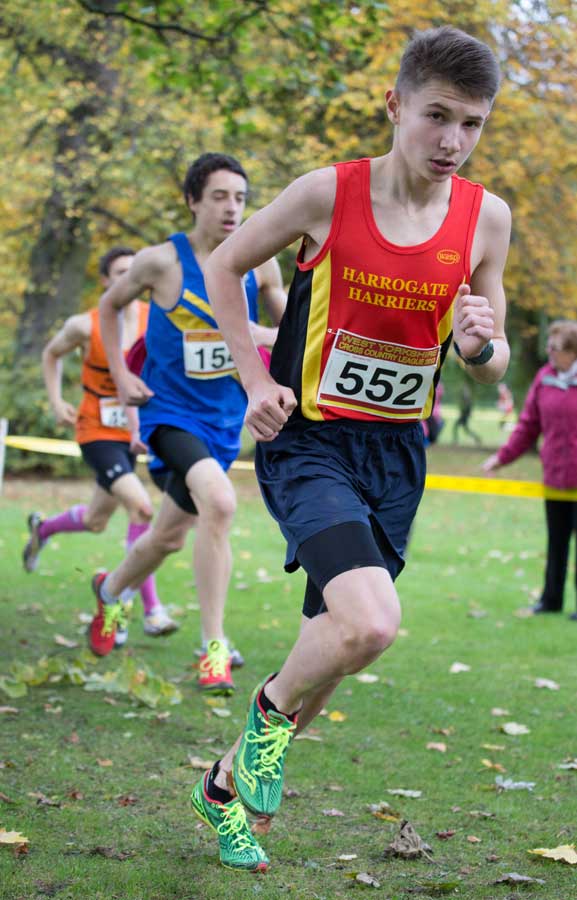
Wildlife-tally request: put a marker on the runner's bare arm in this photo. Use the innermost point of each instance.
(479, 314)
(304, 208)
(271, 291)
(141, 277)
(74, 333)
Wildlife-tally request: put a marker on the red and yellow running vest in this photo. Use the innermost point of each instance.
(368, 323)
(100, 415)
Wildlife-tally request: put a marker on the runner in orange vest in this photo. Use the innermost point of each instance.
(108, 438)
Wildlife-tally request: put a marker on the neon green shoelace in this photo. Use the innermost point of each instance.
(235, 825)
(113, 616)
(216, 660)
(274, 743)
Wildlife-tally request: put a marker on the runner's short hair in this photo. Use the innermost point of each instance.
(200, 170)
(449, 54)
(566, 330)
(105, 262)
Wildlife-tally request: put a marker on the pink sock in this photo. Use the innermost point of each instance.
(148, 587)
(71, 520)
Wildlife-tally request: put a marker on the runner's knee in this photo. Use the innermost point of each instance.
(220, 506)
(140, 512)
(363, 641)
(169, 540)
(95, 523)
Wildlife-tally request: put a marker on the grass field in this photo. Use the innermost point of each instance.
(99, 783)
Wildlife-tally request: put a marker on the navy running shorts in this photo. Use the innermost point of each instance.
(317, 475)
(109, 460)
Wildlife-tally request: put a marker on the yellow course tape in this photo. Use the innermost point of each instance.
(497, 486)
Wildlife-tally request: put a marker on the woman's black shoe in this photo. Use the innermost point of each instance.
(539, 608)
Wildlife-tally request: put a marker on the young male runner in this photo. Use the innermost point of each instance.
(399, 256)
(102, 431)
(194, 404)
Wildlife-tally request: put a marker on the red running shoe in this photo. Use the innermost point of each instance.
(102, 631)
(214, 669)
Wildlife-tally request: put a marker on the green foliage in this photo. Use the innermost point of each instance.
(25, 405)
(136, 680)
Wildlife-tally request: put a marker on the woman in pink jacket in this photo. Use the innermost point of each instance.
(550, 410)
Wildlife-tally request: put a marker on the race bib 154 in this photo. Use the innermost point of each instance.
(206, 355)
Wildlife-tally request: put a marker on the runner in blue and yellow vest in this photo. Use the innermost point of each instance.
(399, 255)
(193, 404)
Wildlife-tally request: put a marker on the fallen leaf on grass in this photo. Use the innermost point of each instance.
(524, 612)
(447, 732)
(514, 728)
(515, 878)
(369, 880)
(407, 844)
(43, 800)
(570, 764)
(8, 711)
(128, 800)
(65, 642)
(347, 857)
(308, 737)
(332, 812)
(481, 814)
(12, 838)
(439, 746)
(385, 811)
(105, 763)
(111, 853)
(195, 762)
(493, 746)
(489, 764)
(477, 613)
(473, 839)
(459, 667)
(222, 712)
(5, 799)
(76, 795)
(497, 711)
(445, 835)
(546, 683)
(403, 792)
(337, 716)
(507, 784)
(564, 853)
(367, 678)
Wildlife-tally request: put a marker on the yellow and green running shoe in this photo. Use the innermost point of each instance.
(238, 848)
(259, 761)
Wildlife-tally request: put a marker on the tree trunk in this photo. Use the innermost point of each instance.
(59, 256)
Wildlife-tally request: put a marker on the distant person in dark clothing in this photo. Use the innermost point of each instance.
(465, 410)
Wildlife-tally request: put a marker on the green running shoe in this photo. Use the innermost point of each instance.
(238, 847)
(259, 761)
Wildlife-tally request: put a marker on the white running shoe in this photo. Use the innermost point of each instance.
(34, 544)
(158, 622)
